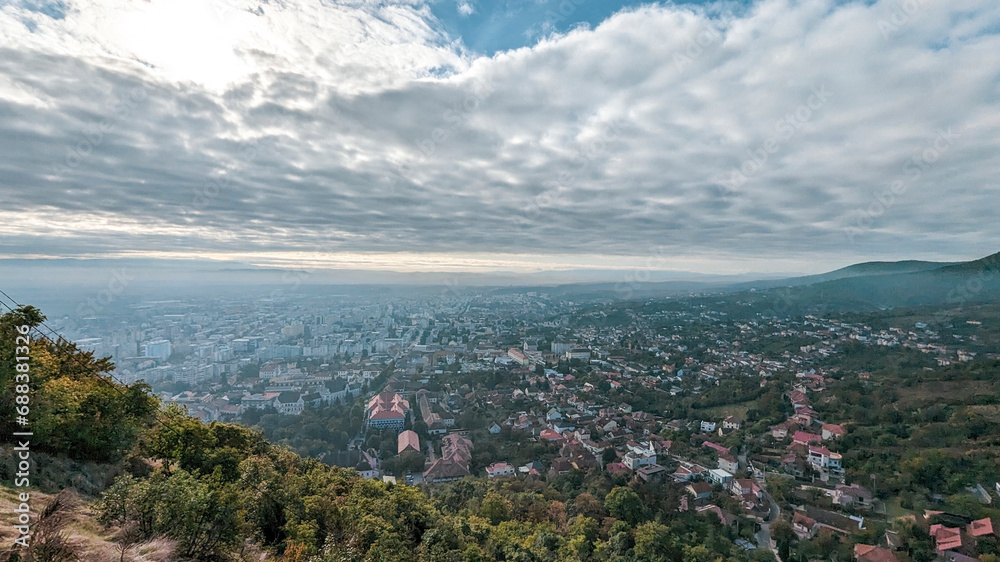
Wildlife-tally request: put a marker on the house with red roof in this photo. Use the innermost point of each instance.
(499, 469)
(981, 527)
(821, 457)
(805, 438)
(549, 435)
(869, 553)
(946, 538)
(717, 448)
(699, 490)
(832, 431)
(805, 527)
(798, 398)
(616, 468)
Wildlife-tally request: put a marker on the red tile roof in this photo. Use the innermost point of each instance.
(805, 437)
(946, 538)
(869, 553)
(981, 527)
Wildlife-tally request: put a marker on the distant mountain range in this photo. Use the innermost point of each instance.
(871, 268)
(863, 286)
(880, 285)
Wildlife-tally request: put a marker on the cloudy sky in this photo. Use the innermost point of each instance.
(769, 136)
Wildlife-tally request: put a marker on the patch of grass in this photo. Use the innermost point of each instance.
(720, 412)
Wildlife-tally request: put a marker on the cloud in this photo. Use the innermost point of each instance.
(466, 8)
(361, 127)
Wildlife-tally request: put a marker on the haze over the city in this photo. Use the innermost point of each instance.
(736, 138)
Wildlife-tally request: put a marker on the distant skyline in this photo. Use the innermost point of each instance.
(732, 138)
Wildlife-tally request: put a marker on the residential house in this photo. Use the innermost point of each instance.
(780, 431)
(499, 469)
(869, 553)
(445, 469)
(745, 487)
(594, 448)
(728, 463)
(366, 471)
(853, 495)
(832, 431)
(946, 538)
(699, 490)
(635, 460)
(707, 426)
(981, 527)
(805, 438)
(651, 473)
(805, 527)
(720, 476)
(549, 435)
(805, 415)
(822, 458)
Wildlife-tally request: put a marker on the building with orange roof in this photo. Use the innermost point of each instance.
(387, 410)
(832, 431)
(407, 441)
(869, 553)
(946, 538)
(981, 527)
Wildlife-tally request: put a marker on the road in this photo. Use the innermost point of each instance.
(764, 534)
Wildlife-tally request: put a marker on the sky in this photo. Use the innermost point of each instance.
(518, 136)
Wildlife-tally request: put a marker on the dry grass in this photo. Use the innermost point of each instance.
(72, 522)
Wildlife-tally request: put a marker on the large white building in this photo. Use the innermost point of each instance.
(159, 349)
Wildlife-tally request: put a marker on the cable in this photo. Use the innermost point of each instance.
(113, 383)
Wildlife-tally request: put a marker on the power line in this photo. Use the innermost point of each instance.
(265, 493)
(113, 383)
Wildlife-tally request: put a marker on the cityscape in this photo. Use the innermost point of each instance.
(517, 281)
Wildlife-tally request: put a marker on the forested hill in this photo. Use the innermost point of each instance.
(157, 484)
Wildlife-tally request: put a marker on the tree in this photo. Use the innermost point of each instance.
(609, 455)
(201, 514)
(77, 409)
(496, 508)
(653, 543)
(784, 536)
(586, 504)
(624, 504)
